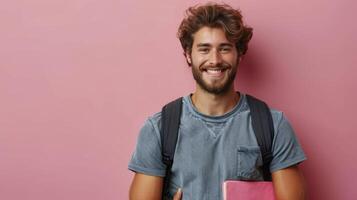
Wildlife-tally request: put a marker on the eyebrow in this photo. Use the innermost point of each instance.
(203, 45)
(209, 45)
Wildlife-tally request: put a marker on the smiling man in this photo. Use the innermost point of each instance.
(214, 75)
(216, 141)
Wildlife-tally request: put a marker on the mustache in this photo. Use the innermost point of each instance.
(217, 66)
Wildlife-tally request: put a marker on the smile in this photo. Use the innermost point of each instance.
(215, 72)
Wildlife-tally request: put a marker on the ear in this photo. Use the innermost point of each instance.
(188, 58)
(240, 59)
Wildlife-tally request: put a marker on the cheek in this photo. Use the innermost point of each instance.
(198, 59)
(231, 59)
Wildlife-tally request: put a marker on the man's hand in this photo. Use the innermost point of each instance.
(178, 195)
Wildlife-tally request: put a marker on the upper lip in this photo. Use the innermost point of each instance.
(221, 66)
(214, 68)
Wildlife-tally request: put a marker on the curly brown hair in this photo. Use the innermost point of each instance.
(215, 16)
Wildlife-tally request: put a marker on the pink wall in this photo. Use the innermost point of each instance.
(78, 78)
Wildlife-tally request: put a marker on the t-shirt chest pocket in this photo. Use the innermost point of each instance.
(249, 162)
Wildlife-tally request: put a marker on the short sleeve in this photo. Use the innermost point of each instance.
(285, 148)
(147, 157)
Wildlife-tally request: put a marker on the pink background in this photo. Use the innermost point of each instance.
(78, 78)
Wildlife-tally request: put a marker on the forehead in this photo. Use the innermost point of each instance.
(208, 35)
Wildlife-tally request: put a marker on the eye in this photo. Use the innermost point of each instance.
(225, 50)
(203, 50)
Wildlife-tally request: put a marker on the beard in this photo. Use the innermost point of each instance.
(217, 87)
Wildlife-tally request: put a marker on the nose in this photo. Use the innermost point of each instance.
(215, 57)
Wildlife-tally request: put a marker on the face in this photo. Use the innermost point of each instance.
(214, 60)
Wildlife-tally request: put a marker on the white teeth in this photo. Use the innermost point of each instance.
(214, 71)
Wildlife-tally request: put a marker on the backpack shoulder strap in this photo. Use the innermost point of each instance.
(170, 122)
(263, 127)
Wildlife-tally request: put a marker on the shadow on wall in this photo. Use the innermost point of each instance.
(258, 75)
(316, 169)
(254, 75)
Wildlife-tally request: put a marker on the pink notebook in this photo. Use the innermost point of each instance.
(248, 190)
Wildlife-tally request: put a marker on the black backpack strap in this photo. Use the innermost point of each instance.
(170, 122)
(263, 127)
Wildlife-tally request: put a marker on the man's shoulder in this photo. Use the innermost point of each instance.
(154, 120)
(275, 112)
(277, 116)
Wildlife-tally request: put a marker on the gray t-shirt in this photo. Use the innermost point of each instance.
(212, 149)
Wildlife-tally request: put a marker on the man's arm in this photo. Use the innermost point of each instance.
(289, 184)
(145, 187)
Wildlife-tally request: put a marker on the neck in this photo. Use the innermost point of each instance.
(212, 104)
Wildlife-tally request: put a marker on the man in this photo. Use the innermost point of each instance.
(216, 141)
